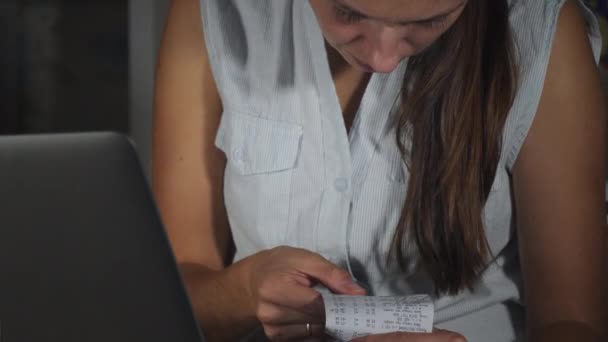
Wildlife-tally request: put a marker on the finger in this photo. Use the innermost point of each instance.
(323, 338)
(273, 314)
(436, 336)
(294, 332)
(330, 275)
(451, 336)
(390, 337)
(298, 298)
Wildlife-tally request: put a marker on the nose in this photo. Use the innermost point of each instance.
(384, 54)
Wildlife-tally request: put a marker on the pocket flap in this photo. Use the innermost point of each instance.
(256, 145)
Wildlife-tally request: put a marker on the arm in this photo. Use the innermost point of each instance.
(558, 189)
(271, 288)
(187, 171)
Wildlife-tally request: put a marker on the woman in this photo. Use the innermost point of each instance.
(448, 147)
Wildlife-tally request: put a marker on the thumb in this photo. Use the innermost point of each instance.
(331, 276)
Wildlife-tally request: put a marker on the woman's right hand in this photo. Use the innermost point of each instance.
(279, 284)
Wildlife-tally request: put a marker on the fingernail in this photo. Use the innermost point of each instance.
(352, 286)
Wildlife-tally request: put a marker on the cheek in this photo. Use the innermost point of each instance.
(360, 41)
(419, 44)
(338, 34)
(420, 41)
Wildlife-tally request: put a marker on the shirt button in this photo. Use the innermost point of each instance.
(237, 155)
(341, 184)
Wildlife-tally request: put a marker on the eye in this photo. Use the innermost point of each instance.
(347, 16)
(436, 23)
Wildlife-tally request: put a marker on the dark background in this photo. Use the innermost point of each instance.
(63, 66)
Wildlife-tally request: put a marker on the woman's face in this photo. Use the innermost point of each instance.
(375, 35)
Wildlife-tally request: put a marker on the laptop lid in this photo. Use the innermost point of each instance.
(83, 254)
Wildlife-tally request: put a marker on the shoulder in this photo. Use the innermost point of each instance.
(534, 25)
(240, 24)
(242, 28)
(535, 21)
(245, 12)
(572, 74)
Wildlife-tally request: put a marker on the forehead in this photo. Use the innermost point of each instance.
(401, 9)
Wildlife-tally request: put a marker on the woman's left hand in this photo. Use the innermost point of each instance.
(436, 336)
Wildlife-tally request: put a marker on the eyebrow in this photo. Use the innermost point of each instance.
(439, 16)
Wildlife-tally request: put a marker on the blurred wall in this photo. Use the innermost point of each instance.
(146, 23)
(64, 66)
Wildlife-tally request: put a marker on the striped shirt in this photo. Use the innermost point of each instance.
(296, 177)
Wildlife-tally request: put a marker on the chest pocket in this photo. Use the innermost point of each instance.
(261, 156)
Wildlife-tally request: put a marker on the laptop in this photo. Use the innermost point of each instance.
(83, 254)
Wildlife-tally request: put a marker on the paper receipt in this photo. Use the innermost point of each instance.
(349, 317)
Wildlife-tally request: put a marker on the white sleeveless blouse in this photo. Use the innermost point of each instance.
(295, 177)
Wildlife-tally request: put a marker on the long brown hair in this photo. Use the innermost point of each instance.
(455, 99)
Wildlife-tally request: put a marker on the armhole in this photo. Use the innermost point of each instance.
(208, 9)
(532, 82)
